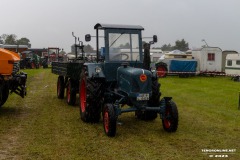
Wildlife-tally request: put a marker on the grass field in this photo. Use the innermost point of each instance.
(41, 126)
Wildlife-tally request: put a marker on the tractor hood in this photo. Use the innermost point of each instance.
(7, 61)
(9, 55)
(134, 81)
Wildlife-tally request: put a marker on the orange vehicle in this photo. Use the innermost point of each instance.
(11, 80)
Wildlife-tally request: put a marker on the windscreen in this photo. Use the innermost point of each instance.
(123, 47)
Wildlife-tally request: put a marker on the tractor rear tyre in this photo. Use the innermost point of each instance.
(37, 66)
(153, 101)
(60, 87)
(4, 92)
(161, 69)
(170, 120)
(109, 120)
(90, 106)
(71, 93)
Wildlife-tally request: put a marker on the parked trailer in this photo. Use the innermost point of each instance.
(176, 64)
(209, 60)
(224, 57)
(68, 74)
(232, 66)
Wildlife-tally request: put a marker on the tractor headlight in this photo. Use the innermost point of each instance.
(98, 69)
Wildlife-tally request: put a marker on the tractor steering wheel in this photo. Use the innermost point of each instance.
(119, 57)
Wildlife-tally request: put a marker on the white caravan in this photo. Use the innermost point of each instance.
(232, 66)
(209, 60)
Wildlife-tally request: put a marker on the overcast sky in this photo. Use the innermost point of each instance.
(49, 23)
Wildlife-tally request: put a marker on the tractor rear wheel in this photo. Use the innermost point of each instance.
(90, 106)
(161, 69)
(153, 101)
(32, 65)
(4, 92)
(170, 120)
(71, 93)
(109, 120)
(60, 87)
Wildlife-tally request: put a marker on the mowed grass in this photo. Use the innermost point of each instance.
(41, 126)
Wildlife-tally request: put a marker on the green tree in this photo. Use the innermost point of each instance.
(3, 37)
(10, 39)
(1, 40)
(88, 49)
(167, 47)
(24, 41)
(181, 45)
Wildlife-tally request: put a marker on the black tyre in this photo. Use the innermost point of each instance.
(60, 87)
(45, 66)
(71, 93)
(4, 92)
(90, 99)
(37, 66)
(161, 69)
(153, 102)
(109, 120)
(170, 120)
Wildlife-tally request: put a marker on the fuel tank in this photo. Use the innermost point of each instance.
(134, 81)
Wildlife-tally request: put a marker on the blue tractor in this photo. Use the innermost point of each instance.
(118, 79)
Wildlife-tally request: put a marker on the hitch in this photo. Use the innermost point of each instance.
(18, 84)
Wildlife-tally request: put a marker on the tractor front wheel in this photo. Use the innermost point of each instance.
(71, 93)
(109, 120)
(170, 118)
(4, 92)
(60, 87)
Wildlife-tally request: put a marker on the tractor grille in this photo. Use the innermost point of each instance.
(139, 87)
(15, 67)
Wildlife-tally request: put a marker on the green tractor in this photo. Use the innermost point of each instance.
(118, 79)
(30, 60)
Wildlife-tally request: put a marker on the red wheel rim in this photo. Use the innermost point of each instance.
(83, 96)
(167, 122)
(161, 71)
(106, 121)
(68, 92)
(33, 65)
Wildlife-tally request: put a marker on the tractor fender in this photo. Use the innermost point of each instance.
(94, 70)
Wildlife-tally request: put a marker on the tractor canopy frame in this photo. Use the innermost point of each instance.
(120, 29)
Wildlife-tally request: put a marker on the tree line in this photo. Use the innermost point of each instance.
(181, 45)
(11, 39)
